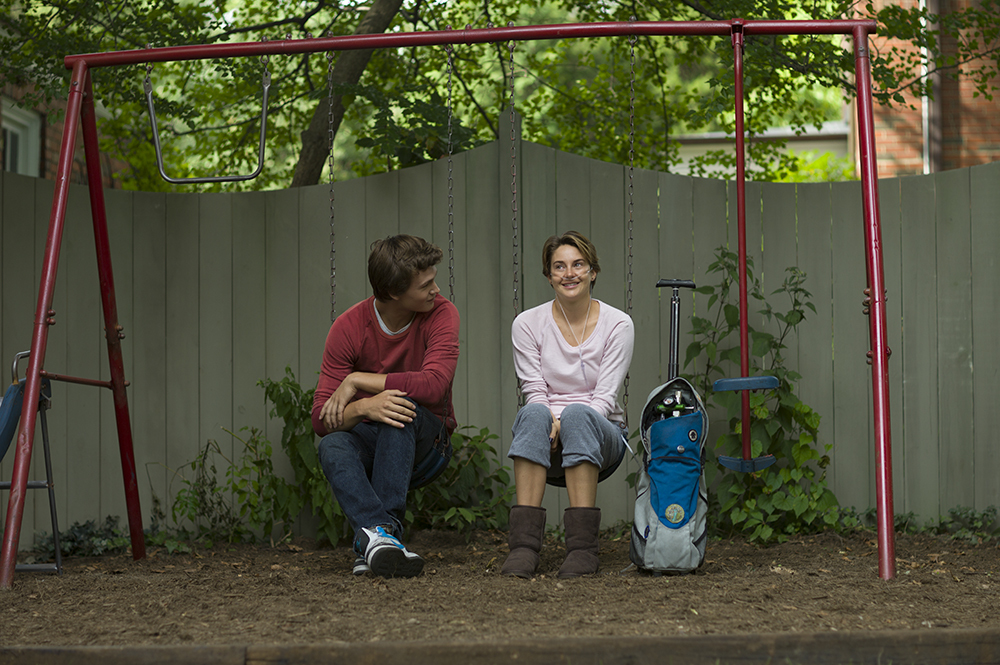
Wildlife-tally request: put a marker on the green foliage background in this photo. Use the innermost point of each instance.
(574, 95)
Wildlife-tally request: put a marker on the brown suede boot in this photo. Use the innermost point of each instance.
(582, 528)
(527, 528)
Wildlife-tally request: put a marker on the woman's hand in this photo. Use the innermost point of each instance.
(554, 434)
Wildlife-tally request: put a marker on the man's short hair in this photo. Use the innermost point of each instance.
(396, 260)
(573, 239)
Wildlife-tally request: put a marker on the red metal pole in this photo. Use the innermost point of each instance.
(876, 316)
(112, 329)
(467, 36)
(741, 226)
(44, 317)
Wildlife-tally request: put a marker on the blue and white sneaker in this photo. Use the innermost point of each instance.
(385, 555)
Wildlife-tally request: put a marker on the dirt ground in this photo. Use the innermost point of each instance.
(297, 594)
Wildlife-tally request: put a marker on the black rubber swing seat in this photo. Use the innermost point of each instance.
(741, 464)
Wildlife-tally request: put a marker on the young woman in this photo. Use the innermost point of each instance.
(571, 355)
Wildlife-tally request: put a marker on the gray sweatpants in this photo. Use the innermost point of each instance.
(584, 436)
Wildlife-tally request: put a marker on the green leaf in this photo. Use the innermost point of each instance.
(732, 314)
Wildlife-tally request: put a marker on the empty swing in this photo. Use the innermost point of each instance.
(265, 83)
(743, 383)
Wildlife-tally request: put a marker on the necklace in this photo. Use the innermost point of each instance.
(569, 325)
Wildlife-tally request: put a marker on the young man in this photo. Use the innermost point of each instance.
(384, 397)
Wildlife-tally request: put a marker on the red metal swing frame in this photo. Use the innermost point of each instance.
(80, 113)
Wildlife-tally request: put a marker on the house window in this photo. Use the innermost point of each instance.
(22, 138)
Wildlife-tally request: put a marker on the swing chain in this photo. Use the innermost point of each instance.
(329, 134)
(631, 162)
(451, 180)
(513, 201)
(513, 180)
(632, 39)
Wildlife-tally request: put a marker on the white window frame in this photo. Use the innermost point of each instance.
(28, 128)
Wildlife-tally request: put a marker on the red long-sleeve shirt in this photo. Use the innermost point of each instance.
(420, 362)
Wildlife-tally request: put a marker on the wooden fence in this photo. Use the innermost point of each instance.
(219, 291)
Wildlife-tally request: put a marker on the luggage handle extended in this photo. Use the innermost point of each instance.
(675, 320)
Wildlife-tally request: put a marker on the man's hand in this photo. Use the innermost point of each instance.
(332, 413)
(390, 407)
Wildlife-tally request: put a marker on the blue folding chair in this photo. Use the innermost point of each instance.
(10, 414)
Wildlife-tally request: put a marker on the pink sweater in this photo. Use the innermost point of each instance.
(420, 362)
(548, 367)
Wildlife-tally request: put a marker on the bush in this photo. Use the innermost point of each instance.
(791, 496)
(247, 507)
(293, 405)
(474, 491)
(971, 525)
(86, 539)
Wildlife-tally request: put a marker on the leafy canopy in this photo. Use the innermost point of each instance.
(581, 96)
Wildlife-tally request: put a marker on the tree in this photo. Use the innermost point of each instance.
(329, 113)
(686, 85)
(195, 99)
(572, 95)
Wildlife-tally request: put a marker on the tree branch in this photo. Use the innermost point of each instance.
(349, 67)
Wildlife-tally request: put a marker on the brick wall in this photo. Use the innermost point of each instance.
(51, 137)
(963, 130)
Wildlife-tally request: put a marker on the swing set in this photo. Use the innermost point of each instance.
(21, 404)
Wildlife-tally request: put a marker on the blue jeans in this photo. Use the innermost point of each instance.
(369, 467)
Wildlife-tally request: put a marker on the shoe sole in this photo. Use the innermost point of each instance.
(390, 561)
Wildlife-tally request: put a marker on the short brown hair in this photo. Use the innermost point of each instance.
(574, 239)
(396, 260)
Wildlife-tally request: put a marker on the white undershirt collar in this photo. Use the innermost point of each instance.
(385, 328)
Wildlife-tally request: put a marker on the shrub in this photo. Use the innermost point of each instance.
(791, 496)
(293, 405)
(474, 491)
(85, 539)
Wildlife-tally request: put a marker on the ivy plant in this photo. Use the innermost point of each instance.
(243, 500)
(293, 405)
(790, 496)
